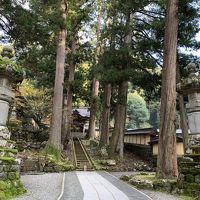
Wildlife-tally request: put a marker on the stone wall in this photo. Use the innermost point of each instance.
(189, 178)
(9, 166)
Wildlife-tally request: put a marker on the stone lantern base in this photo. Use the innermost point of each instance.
(4, 133)
(9, 165)
(194, 144)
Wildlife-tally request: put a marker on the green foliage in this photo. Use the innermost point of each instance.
(98, 164)
(81, 93)
(37, 51)
(38, 99)
(54, 155)
(189, 178)
(8, 150)
(137, 112)
(8, 159)
(183, 197)
(11, 189)
(154, 110)
(190, 189)
(52, 151)
(11, 68)
(150, 177)
(14, 124)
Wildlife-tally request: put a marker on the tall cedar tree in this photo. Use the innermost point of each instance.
(75, 20)
(167, 157)
(95, 81)
(120, 115)
(107, 93)
(56, 121)
(67, 117)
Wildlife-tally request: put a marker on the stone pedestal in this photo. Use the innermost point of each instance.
(6, 96)
(193, 110)
(4, 108)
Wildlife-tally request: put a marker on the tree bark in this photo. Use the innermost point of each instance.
(68, 107)
(167, 157)
(123, 119)
(184, 123)
(120, 119)
(56, 120)
(95, 82)
(93, 108)
(183, 115)
(105, 119)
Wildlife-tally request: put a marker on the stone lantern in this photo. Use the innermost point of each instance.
(9, 164)
(190, 86)
(6, 93)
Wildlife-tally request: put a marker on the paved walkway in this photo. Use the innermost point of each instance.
(98, 186)
(48, 187)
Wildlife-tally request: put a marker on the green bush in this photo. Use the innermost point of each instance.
(52, 151)
(11, 189)
(189, 178)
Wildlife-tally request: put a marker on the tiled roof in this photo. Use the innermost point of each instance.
(84, 112)
(141, 131)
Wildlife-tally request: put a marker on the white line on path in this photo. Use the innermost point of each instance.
(62, 189)
(95, 187)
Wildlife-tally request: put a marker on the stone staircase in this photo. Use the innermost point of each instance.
(82, 160)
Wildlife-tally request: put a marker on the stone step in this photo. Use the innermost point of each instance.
(190, 170)
(195, 157)
(189, 163)
(81, 158)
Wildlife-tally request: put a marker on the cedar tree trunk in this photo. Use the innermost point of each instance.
(105, 119)
(120, 119)
(68, 112)
(183, 115)
(95, 82)
(167, 157)
(56, 120)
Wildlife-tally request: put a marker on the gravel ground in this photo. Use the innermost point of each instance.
(42, 187)
(153, 194)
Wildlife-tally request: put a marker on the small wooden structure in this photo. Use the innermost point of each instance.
(80, 122)
(144, 142)
(137, 141)
(139, 136)
(179, 146)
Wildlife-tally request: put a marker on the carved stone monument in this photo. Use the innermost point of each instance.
(190, 86)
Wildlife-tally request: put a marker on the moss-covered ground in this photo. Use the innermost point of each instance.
(164, 185)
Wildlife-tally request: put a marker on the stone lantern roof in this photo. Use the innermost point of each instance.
(191, 83)
(8, 68)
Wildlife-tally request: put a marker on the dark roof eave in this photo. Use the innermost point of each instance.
(155, 141)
